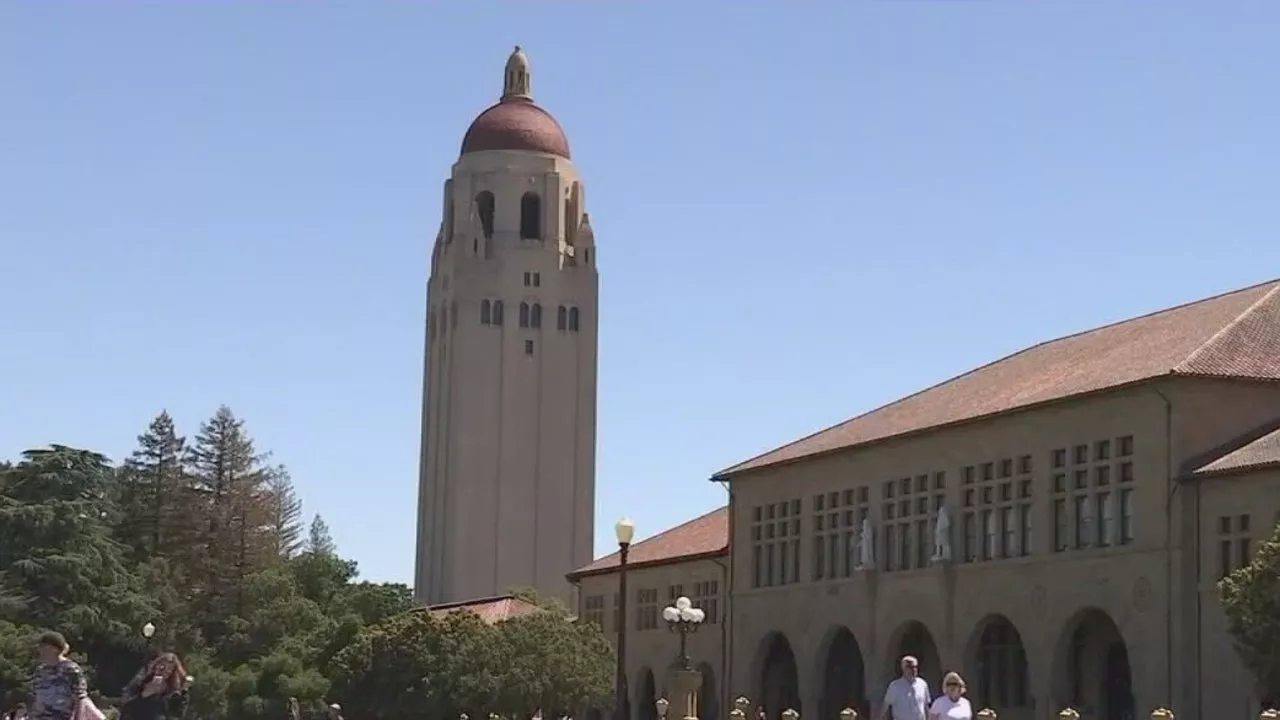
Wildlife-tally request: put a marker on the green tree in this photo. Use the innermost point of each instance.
(229, 474)
(154, 495)
(552, 663)
(285, 511)
(56, 549)
(419, 665)
(319, 539)
(60, 562)
(1251, 601)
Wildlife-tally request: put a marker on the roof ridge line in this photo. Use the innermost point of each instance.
(734, 468)
(1208, 344)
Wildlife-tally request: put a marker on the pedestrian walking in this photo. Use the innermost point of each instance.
(157, 692)
(58, 685)
(907, 697)
(951, 704)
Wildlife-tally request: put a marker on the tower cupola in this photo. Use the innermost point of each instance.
(516, 122)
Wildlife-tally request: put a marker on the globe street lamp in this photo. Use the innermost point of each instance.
(624, 531)
(683, 618)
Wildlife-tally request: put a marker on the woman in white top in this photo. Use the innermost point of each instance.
(951, 705)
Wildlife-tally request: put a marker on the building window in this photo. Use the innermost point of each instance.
(562, 318)
(1099, 516)
(486, 312)
(996, 517)
(535, 316)
(775, 543)
(497, 312)
(533, 279)
(1084, 521)
(1234, 546)
(970, 523)
(1105, 512)
(989, 536)
(836, 524)
(530, 217)
(593, 610)
(524, 314)
(484, 208)
(1061, 526)
(1126, 516)
(706, 595)
(617, 613)
(908, 512)
(646, 608)
(573, 319)
(528, 347)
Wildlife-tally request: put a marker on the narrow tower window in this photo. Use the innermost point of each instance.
(524, 315)
(484, 206)
(497, 312)
(486, 314)
(531, 217)
(573, 319)
(562, 314)
(535, 316)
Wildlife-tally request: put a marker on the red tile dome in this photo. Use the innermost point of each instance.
(516, 122)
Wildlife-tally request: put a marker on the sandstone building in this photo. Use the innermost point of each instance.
(507, 482)
(1094, 488)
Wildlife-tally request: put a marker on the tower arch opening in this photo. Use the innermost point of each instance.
(530, 216)
(485, 207)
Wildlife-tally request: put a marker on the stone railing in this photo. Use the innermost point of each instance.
(741, 705)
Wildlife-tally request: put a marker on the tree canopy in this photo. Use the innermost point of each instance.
(207, 540)
(1251, 601)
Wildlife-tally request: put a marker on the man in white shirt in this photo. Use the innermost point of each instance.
(907, 697)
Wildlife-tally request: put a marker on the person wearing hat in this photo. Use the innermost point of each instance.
(58, 685)
(335, 712)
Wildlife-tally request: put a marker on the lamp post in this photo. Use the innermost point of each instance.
(149, 632)
(683, 618)
(624, 530)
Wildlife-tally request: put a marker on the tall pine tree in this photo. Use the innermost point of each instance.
(286, 512)
(156, 501)
(238, 537)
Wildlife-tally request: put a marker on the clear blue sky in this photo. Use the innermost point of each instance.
(803, 211)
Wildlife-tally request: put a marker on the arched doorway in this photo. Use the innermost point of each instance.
(1091, 668)
(844, 677)
(648, 695)
(997, 660)
(708, 700)
(916, 640)
(779, 680)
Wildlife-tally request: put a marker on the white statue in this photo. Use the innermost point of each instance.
(942, 535)
(866, 549)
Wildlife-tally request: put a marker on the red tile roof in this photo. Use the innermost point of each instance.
(1261, 453)
(706, 536)
(1235, 335)
(491, 609)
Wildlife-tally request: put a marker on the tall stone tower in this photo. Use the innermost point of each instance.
(506, 493)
